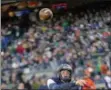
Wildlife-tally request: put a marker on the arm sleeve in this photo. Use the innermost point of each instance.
(54, 86)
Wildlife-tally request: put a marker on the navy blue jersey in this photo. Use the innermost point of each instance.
(56, 84)
(43, 87)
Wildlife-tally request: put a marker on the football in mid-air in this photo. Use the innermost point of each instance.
(45, 14)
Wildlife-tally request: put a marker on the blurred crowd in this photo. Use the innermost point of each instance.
(82, 40)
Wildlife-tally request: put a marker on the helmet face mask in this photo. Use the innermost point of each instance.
(65, 75)
(65, 72)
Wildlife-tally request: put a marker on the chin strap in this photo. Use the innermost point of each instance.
(66, 80)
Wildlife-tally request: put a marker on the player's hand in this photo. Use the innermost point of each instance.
(80, 82)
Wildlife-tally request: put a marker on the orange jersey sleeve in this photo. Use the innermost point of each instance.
(90, 85)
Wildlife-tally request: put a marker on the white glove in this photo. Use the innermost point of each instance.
(80, 82)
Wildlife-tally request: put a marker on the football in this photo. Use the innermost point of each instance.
(45, 14)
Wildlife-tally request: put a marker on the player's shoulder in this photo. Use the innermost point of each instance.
(54, 79)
